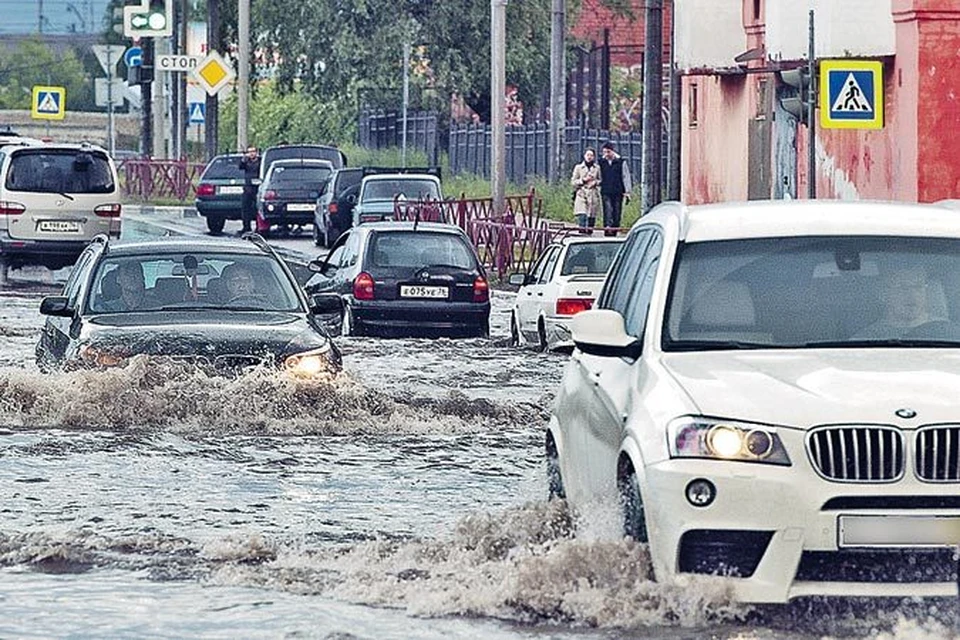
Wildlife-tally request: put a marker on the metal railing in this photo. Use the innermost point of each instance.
(147, 180)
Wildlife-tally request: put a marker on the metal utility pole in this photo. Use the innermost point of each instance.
(211, 117)
(181, 80)
(652, 104)
(406, 98)
(243, 77)
(498, 81)
(676, 95)
(146, 99)
(812, 114)
(111, 126)
(160, 45)
(558, 99)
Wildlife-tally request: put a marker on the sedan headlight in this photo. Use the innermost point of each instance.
(725, 440)
(97, 357)
(309, 363)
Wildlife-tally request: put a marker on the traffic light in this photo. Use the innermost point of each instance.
(796, 93)
(151, 19)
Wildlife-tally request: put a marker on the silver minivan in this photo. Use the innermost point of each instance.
(54, 198)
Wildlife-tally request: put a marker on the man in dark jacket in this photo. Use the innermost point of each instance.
(615, 186)
(250, 163)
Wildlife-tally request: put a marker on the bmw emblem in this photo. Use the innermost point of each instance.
(906, 414)
(424, 275)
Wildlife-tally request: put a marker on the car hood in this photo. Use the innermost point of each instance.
(207, 333)
(807, 388)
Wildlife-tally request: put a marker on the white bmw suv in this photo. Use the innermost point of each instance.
(771, 391)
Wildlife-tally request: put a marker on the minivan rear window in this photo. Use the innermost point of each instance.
(60, 171)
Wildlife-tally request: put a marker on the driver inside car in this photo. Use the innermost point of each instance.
(239, 283)
(905, 295)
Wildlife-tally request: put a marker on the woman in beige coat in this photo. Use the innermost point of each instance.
(586, 195)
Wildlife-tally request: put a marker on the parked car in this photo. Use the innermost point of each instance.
(220, 192)
(221, 304)
(405, 278)
(771, 392)
(379, 192)
(54, 198)
(288, 194)
(564, 281)
(335, 156)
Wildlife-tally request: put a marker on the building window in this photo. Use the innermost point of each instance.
(762, 98)
(756, 10)
(692, 107)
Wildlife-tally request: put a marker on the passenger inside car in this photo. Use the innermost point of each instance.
(123, 289)
(908, 299)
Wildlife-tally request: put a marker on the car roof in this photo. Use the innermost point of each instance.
(70, 146)
(579, 239)
(400, 176)
(181, 244)
(798, 218)
(402, 225)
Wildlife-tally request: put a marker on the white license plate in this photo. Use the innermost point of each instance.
(899, 531)
(300, 207)
(226, 191)
(59, 226)
(421, 291)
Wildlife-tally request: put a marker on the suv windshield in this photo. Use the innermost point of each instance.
(589, 257)
(191, 281)
(815, 292)
(223, 168)
(407, 189)
(46, 170)
(421, 249)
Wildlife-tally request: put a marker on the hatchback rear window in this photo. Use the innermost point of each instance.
(223, 168)
(421, 249)
(589, 257)
(406, 189)
(301, 175)
(60, 171)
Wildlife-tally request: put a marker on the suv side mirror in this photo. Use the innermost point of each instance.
(517, 279)
(323, 303)
(601, 332)
(56, 306)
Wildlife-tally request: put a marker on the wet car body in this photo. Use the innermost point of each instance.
(187, 318)
(288, 194)
(405, 278)
(220, 192)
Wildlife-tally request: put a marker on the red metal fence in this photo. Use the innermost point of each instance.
(153, 180)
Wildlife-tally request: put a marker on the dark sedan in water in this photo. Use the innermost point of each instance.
(224, 305)
(406, 278)
(220, 192)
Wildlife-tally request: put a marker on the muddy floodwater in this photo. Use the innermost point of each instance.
(405, 499)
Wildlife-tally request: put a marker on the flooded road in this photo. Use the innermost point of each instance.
(405, 499)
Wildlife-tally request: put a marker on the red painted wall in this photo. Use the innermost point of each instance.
(593, 18)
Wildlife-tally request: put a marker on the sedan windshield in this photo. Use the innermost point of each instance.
(814, 293)
(191, 281)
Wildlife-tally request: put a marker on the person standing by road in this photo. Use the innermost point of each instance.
(250, 163)
(615, 187)
(586, 194)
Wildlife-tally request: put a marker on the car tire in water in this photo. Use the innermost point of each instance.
(348, 327)
(317, 240)
(514, 331)
(215, 224)
(631, 502)
(554, 479)
(541, 336)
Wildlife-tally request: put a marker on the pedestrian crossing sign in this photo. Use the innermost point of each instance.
(197, 112)
(851, 94)
(49, 103)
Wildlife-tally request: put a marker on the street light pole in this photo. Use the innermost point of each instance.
(498, 146)
(406, 98)
(557, 89)
(243, 76)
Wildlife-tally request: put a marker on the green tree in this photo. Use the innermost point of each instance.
(34, 63)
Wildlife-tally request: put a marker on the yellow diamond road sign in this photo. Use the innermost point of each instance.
(214, 73)
(49, 103)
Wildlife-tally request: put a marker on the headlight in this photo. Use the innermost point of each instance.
(308, 363)
(725, 440)
(93, 356)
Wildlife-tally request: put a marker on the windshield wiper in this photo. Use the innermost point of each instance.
(716, 345)
(184, 308)
(67, 196)
(441, 265)
(892, 342)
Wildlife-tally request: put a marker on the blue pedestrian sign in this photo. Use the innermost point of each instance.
(197, 112)
(851, 94)
(49, 103)
(133, 57)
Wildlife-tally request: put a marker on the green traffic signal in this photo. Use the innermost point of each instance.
(153, 21)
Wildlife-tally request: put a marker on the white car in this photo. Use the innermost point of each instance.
(772, 393)
(564, 281)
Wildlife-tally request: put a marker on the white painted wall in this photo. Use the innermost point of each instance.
(844, 28)
(709, 33)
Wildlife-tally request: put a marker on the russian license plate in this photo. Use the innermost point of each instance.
(422, 291)
(229, 191)
(299, 206)
(59, 226)
(899, 531)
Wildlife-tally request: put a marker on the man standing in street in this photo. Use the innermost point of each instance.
(615, 187)
(250, 163)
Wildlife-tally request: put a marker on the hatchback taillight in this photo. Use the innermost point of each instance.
(11, 208)
(111, 210)
(481, 290)
(270, 195)
(363, 286)
(573, 306)
(206, 189)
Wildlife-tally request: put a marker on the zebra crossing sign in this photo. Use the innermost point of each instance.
(851, 94)
(49, 103)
